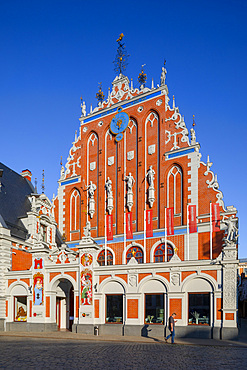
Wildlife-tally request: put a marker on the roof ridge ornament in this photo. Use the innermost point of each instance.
(121, 59)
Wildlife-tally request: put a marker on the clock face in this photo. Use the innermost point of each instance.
(119, 123)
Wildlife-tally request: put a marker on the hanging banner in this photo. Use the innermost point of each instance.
(170, 221)
(192, 219)
(149, 223)
(109, 229)
(215, 209)
(129, 230)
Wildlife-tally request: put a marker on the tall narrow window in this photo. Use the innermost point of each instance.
(75, 211)
(175, 190)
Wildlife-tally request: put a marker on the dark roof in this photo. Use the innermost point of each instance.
(14, 203)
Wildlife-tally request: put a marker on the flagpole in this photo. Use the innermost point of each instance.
(105, 242)
(188, 235)
(165, 237)
(105, 205)
(211, 232)
(124, 193)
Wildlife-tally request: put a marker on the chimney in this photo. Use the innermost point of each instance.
(27, 174)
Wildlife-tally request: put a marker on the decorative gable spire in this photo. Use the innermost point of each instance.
(142, 78)
(100, 96)
(43, 182)
(121, 59)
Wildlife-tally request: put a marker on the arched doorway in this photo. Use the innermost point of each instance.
(64, 304)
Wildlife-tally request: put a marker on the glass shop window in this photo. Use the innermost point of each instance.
(154, 308)
(20, 307)
(114, 308)
(199, 308)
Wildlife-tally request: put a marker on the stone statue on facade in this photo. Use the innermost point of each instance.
(109, 194)
(150, 176)
(108, 187)
(91, 202)
(91, 189)
(163, 76)
(129, 181)
(232, 229)
(130, 195)
(83, 109)
(193, 136)
(87, 229)
(151, 190)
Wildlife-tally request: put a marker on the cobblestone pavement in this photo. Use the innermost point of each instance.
(27, 353)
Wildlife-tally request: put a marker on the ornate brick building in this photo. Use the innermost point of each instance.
(146, 228)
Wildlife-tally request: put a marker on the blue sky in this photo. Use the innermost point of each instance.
(53, 52)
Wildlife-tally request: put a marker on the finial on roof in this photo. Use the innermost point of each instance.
(142, 77)
(121, 59)
(193, 124)
(152, 86)
(100, 96)
(192, 132)
(35, 183)
(173, 104)
(43, 182)
(62, 175)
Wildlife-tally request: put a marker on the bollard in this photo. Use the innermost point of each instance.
(96, 330)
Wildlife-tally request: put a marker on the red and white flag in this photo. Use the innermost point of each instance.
(192, 219)
(129, 230)
(170, 221)
(109, 230)
(215, 209)
(149, 223)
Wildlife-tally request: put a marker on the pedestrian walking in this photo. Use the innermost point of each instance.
(171, 327)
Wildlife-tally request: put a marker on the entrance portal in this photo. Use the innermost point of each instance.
(64, 304)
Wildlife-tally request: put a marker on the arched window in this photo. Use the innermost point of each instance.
(75, 210)
(101, 258)
(135, 252)
(160, 253)
(174, 190)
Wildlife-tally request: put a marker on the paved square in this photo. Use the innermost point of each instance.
(26, 353)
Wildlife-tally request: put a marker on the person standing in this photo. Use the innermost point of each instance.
(171, 328)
